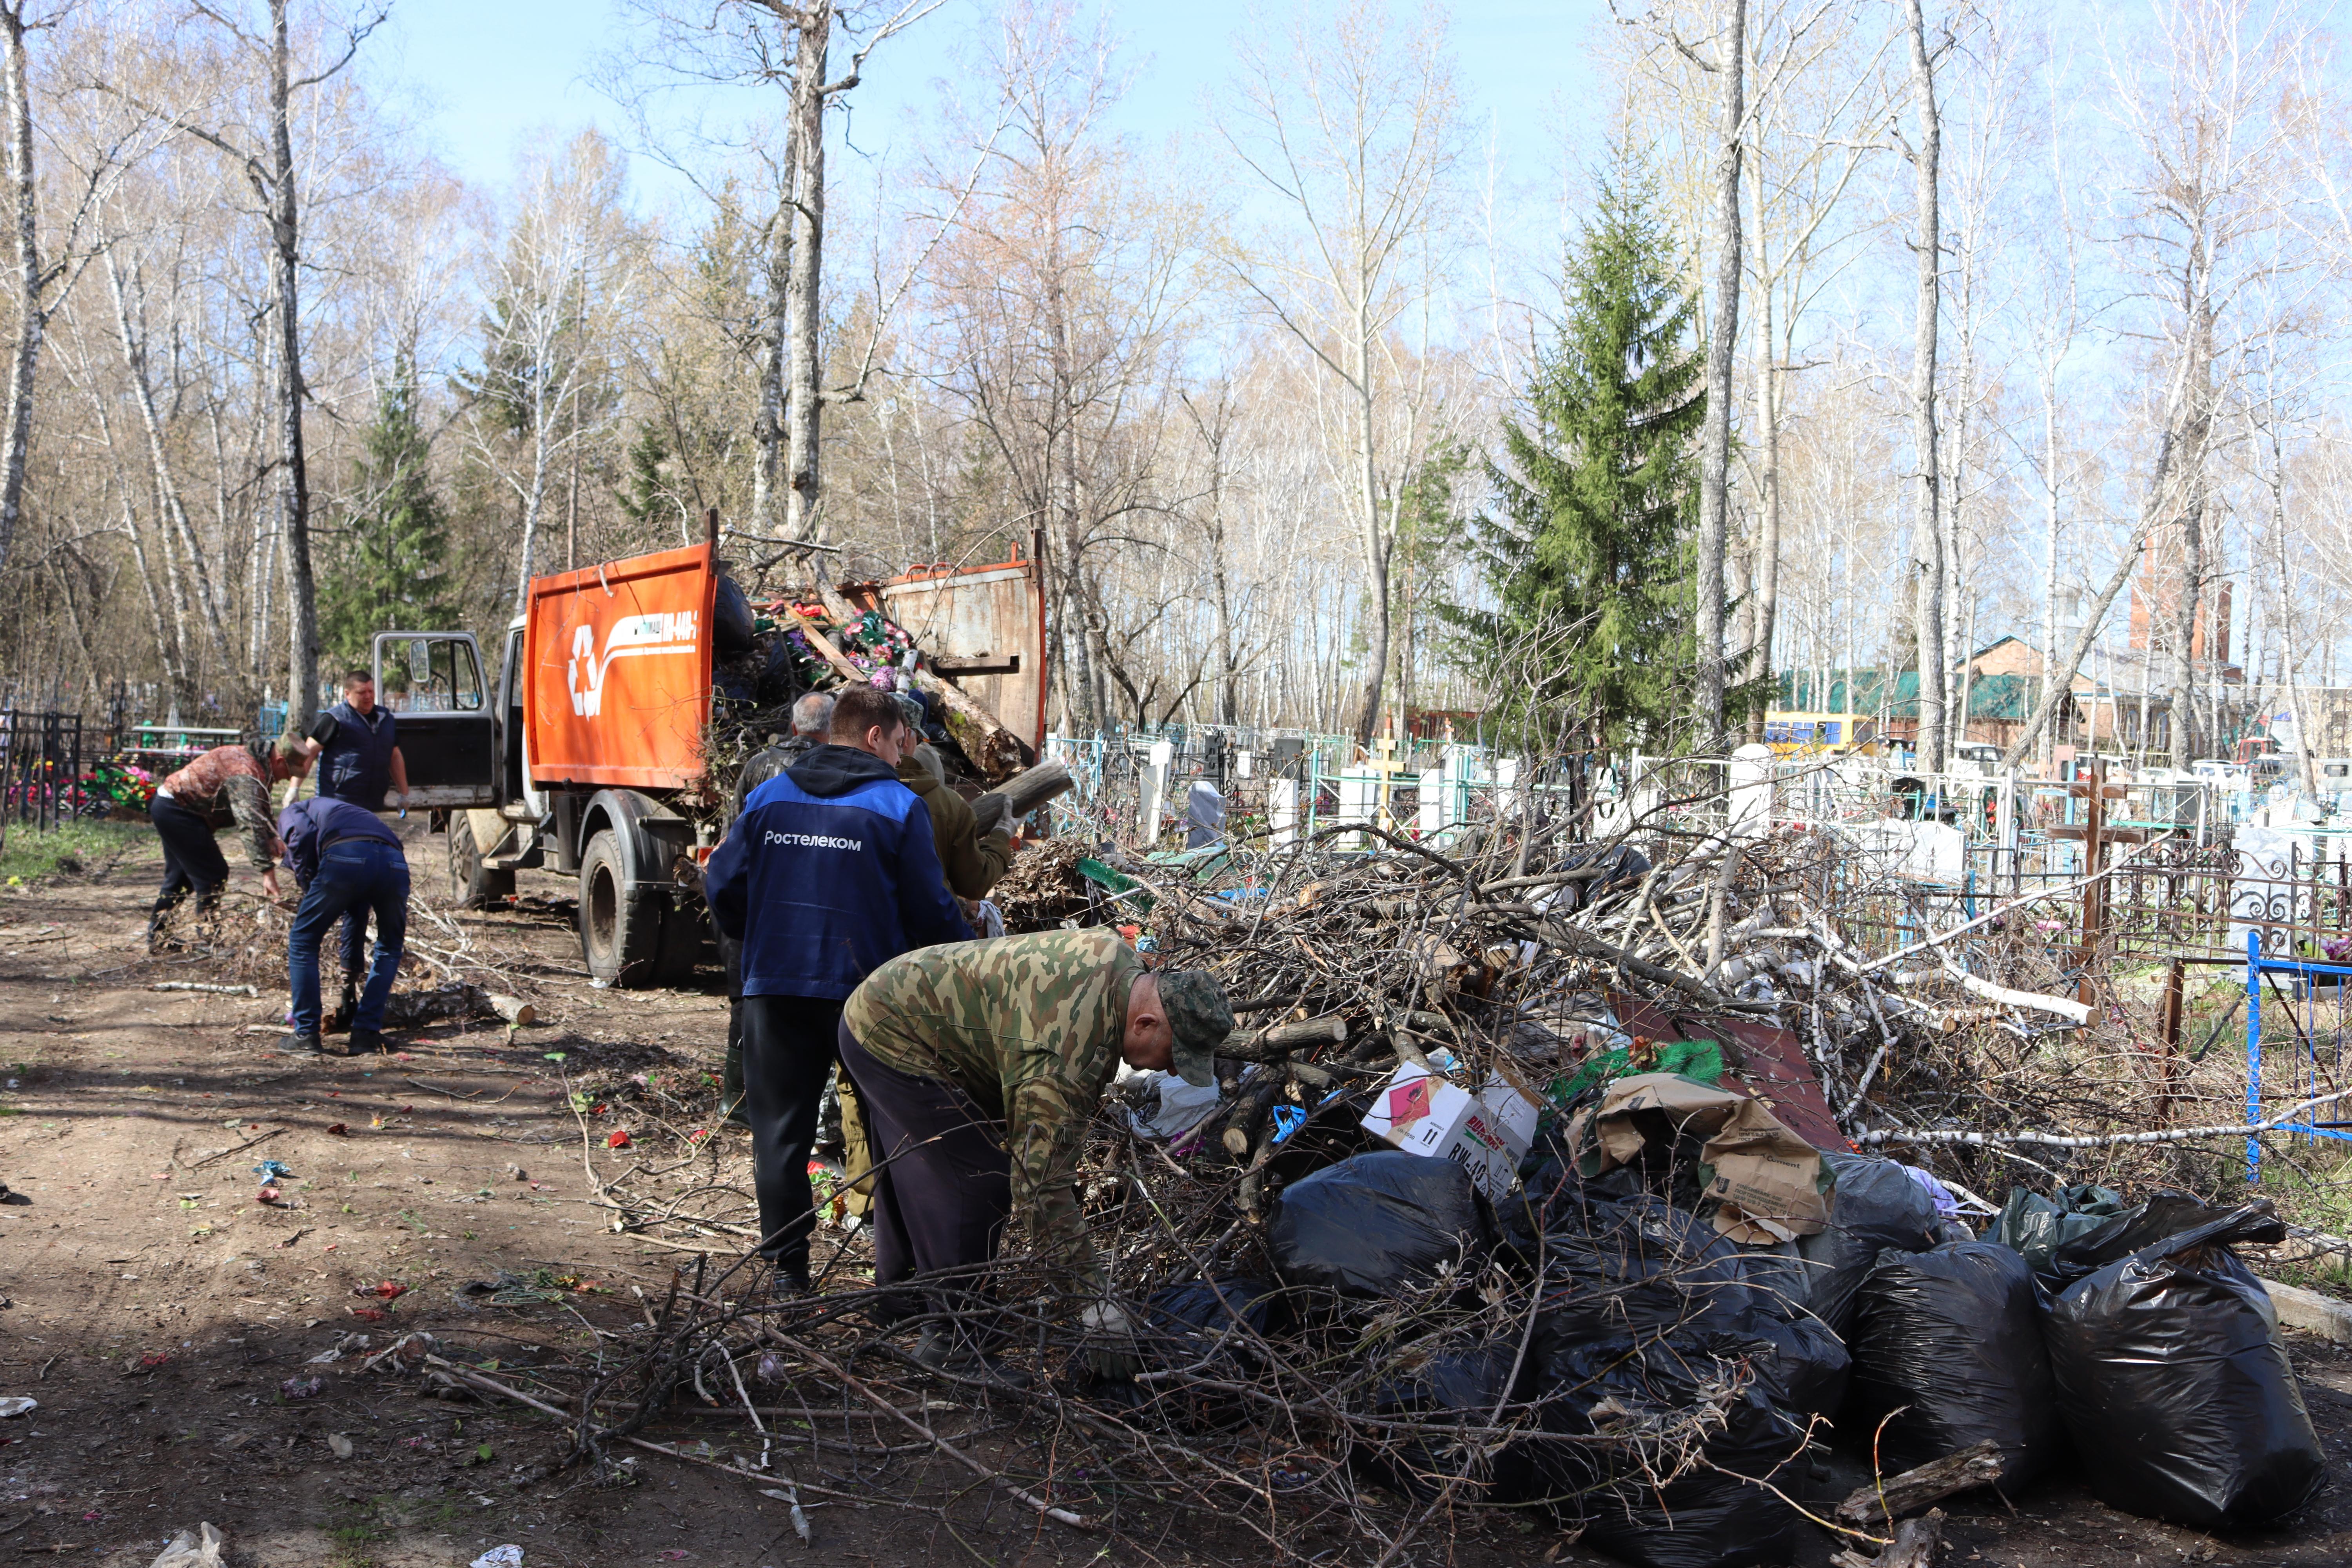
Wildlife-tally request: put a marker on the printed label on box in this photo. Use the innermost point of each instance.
(1484, 1133)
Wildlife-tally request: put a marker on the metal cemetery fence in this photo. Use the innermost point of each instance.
(41, 767)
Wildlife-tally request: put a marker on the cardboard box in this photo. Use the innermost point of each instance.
(1485, 1134)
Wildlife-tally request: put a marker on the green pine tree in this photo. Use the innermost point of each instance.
(391, 567)
(1586, 636)
(647, 493)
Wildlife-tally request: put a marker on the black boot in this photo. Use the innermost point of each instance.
(159, 936)
(730, 1084)
(339, 1022)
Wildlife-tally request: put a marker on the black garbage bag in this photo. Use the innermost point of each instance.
(1875, 1206)
(2168, 1214)
(1616, 865)
(1952, 1339)
(1206, 1308)
(1707, 1515)
(1375, 1224)
(1209, 1330)
(732, 625)
(780, 678)
(2176, 1385)
(1213, 1323)
(1783, 1275)
(1799, 1364)
(1620, 1271)
(1619, 1268)
(2034, 1227)
(1459, 1388)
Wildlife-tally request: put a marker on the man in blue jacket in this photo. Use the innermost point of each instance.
(828, 872)
(348, 860)
(355, 749)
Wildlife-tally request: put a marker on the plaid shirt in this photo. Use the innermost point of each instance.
(229, 784)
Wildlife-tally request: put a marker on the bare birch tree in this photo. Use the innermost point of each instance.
(1819, 91)
(263, 152)
(1926, 153)
(39, 279)
(2209, 168)
(556, 288)
(1353, 130)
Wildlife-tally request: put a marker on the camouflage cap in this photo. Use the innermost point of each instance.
(1198, 1016)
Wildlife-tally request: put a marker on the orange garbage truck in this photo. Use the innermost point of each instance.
(626, 692)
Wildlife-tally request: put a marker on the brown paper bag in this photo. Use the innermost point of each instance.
(1767, 1183)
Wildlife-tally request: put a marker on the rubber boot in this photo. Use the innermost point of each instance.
(732, 1082)
(339, 1022)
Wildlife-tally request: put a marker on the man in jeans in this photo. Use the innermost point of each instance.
(355, 746)
(828, 872)
(348, 861)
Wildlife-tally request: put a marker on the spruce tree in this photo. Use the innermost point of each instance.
(1587, 556)
(391, 570)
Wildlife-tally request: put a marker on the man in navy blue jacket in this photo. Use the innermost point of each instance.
(348, 861)
(355, 750)
(828, 872)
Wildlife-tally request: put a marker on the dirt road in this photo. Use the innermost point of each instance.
(196, 1352)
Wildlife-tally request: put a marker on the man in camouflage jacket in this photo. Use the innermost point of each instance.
(979, 1064)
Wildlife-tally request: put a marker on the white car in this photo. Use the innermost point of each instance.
(2225, 774)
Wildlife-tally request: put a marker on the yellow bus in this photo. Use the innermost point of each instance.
(1790, 732)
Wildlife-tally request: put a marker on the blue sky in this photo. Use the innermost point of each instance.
(482, 75)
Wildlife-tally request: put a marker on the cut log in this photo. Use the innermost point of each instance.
(1017, 797)
(1917, 1542)
(1277, 1043)
(1930, 1483)
(995, 750)
(514, 1010)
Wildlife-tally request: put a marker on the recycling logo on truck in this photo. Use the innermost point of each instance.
(631, 636)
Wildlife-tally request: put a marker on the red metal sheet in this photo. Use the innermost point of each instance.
(1765, 1060)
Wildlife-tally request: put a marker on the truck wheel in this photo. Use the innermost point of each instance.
(471, 884)
(620, 937)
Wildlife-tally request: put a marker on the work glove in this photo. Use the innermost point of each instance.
(403, 804)
(988, 812)
(1112, 1355)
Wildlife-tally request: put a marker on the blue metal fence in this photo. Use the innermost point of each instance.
(2304, 1058)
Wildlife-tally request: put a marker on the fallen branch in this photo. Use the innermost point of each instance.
(467, 1374)
(2094, 1140)
(1990, 915)
(2032, 1001)
(1930, 1483)
(1058, 1515)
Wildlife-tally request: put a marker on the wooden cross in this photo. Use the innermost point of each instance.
(1385, 764)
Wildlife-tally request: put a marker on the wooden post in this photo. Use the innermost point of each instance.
(2169, 1031)
(2095, 890)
